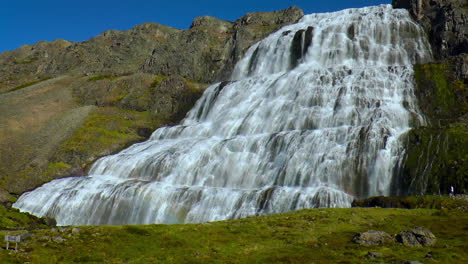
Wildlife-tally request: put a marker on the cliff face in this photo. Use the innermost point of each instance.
(445, 21)
(66, 104)
(436, 156)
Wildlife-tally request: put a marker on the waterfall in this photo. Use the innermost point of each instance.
(312, 117)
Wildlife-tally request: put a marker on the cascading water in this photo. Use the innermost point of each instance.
(312, 118)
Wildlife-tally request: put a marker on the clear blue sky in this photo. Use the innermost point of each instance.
(29, 21)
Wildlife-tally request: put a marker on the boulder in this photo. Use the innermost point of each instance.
(373, 255)
(372, 237)
(418, 236)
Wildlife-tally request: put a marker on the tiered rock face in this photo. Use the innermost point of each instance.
(65, 104)
(436, 153)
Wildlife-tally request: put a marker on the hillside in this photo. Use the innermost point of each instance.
(66, 104)
(306, 236)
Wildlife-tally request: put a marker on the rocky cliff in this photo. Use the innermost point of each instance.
(66, 104)
(436, 156)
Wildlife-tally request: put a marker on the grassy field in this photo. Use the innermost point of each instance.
(306, 236)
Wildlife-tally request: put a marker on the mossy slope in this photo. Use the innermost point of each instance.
(436, 155)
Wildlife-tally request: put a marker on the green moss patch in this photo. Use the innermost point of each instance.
(29, 84)
(12, 219)
(26, 61)
(439, 91)
(108, 130)
(101, 77)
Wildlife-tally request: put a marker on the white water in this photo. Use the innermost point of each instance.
(274, 140)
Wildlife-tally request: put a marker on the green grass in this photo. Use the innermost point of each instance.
(28, 84)
(108, 130)
(101, 77)
(12, 219)
(26, 61)
(306, 236)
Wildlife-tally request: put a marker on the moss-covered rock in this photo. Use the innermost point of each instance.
(13, 219)
(442, 96)
(436, 155)
(436, 158)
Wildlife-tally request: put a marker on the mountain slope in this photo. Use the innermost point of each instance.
(66, 104)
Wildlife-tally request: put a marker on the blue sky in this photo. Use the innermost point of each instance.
(29, 21)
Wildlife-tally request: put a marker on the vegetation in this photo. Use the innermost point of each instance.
(12, 219)
(26, 61)
(436, 155)
(108, 130)
(440, 91)
(102, 77)
(426, 172)
(29, 84)
(306, 236)
(412, 202)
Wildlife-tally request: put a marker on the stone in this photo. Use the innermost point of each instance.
(49, 221)
(424, 236)
(58, 239)
(418, 236)
(372, 255)
(407, 238)
(75, 230)
(372, 237)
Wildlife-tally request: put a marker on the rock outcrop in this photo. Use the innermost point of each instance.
(435, 157)
(417, 236)
(65, 104)
(372, 237)
(445, 21)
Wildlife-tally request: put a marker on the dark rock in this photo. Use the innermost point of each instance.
(407, 238)
(418, 236)
(301, 42)
(372, 237)
(144, 132)
(49, 221)
(424, 236)
(58, 239)
(445, 22)
(381, 201)
(372, 255)
(413, 262)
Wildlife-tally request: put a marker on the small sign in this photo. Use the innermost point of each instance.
(13, 238)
